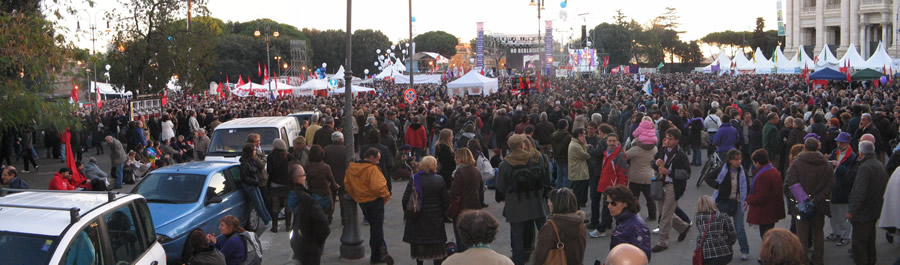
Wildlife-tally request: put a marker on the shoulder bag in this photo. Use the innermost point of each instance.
(698, 253)
(412, 207)
(556, 256)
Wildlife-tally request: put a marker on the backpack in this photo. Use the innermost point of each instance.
(529, 179)
(254, 248)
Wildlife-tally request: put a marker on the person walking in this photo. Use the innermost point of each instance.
(772, 141)
(563, 230)
(424, 231)
(578, 165)
(335, 157)
(613, 172)
(640, 157)
(630, 227)
(310, 226)
(465, 190)
(730, 196)
(865, 203)
(367, 186)
(320, 179)
(764, 197)
(560, 140)
(815, 177)
(28, 153)
(417, 138)
(716, 232)
(843, 159)
(525, 209)
(669, 163)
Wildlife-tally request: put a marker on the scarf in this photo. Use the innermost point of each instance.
(759, 172)
(670, 154)
(742, 182)
(418, 184)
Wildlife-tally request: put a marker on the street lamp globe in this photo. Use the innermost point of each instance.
(285, 66)
(276, 34)
(256, 33)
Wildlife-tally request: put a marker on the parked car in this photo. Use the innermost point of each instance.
(230, 137)
(304, 116)
(184, 197)
(77, 227)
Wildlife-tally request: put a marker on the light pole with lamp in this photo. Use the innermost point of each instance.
(268, 58)
(540, 67)
(92, 23)
(351, 240)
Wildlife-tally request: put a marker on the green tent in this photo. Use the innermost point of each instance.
(866, 74)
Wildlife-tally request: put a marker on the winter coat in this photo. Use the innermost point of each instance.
(614, 170)
(631, 229)
(645, 133)
(680, 162)
(890, 210)
(60, 183)
(771, 141)
(560, 143)
(386, 164)
(815, 175)
(320, 179)
(232, 246)
(640, 157)
(208, 256)
(415, 136)
(201, 145)
(277, 168)
(428, 227)
(503, 126)
(727, 138)
(323, 136)
(336, 158)
(365, 183)
(446, 162)
(867, 196)
(251, 169)
(117, 152)
(843, 176)
(466, 187)
(528, 206)
(721, 235)
(310, 228)
(578, 160)
(572, 233)
(720, 179)
(765, 199)
(695, 128)
(542, 132)
(92, 171)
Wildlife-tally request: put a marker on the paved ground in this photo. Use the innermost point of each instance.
(277, 247)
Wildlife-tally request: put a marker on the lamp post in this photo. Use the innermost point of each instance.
(268, 58)
(540, 67)
(351, 240)
(92, 25)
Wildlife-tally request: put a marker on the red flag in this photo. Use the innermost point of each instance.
(77, 178)
(74, 92)
(240, 82)
(266, 72)
(219, 89)
(605, 61)
(99, 101)
(258, 69)
(165, 98)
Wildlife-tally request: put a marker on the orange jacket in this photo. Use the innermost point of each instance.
(365, 183)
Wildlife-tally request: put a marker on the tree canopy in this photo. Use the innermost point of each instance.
(437, 41)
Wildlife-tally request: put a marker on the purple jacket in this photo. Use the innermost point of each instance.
(727, 138)
(631, 229)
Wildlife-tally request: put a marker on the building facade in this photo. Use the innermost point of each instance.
(838, 23)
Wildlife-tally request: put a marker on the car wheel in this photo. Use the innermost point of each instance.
(254, 223)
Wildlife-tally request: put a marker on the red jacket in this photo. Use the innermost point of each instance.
(767, 200)
(415, 136)
(60, 183)
(614, 171)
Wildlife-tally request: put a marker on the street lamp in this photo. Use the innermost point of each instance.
(351, 240)
(540, 66)
(275, 34)
(92, 23)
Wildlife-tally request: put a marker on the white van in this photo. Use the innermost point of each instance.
(229, 138)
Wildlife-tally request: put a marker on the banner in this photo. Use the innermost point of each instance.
(548, 48)
(516, 39)
(479, 45)
(780, 18)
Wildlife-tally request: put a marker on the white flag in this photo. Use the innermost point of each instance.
(647, 88)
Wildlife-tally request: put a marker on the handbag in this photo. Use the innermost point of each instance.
(556, 256)
(657, 189)
(698, 253)
(412, 207)
(453, 210)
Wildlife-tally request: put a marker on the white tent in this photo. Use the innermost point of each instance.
(740, 61)
(250, 88)
(803, 60)
(827, 59)
(853, 57)
(353, 89)
(782, 63)
(339, 74)
(473, 83)
(392, 70)
(420, 79)
(107, 89)
(723, 61)
(314, 84)
(762, 65)
(880, 60)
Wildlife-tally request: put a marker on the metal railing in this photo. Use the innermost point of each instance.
(870, 2)
(808, 9)
(833, 6)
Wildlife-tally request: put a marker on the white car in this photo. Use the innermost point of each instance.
(75, 227)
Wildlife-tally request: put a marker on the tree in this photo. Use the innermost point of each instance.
(328, 47)
(615, 40)
(34, 61)
(365, 43)
(240, 52)
(437, 41)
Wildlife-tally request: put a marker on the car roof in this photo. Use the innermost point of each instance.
(255, 122)
(304, 113)
(52, 222)
(196, 167)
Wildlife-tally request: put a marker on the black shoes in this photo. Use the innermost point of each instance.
(683, 235)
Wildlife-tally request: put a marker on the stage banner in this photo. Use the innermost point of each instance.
(479, 46)
(780, 17)
(548, 47)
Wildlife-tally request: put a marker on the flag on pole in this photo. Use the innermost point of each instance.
(258, 69)
(848, 71)
(660, 65)
(165, 98)
(647, 88)
(266, 72)
(99, 101)
(74, 92)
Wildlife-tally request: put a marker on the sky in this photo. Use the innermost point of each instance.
(459, 17)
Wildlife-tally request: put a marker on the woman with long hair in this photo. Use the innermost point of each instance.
(565, 228)
(280, 183)
(424, 231)
(630, 228)
(467, 185)
(320, 180)
(443, 151)
(251, 169)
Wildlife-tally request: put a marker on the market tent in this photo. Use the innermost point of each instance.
(339, 74)
(420, 79)
(248, 89)
(827, 59)
(852, 56)
(723, 61)
(437, 57)
(867, 74)
(880, 60)
(107, 90)
(473, 83)
(783, 65)
(803, 60)
(740, 61)
(762, 65)
(827, 74)
(314, 84)
(353, 89)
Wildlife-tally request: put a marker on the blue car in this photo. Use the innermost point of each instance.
(188, 196)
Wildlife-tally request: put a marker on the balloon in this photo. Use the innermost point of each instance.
(884, 79)
(562, 4)
(407, 44)
(366, 71)
(324, 65)
(393, 47)
(380, 57)
(376, 63)
(377, 50)
(413, 19)
(380, 68)
(404, 51)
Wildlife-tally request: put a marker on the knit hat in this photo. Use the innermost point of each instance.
(645, 133)
(279, 144)
(674, 108)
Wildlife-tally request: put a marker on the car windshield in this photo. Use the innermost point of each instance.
(16, 248)
(171, 187)
(232, 141)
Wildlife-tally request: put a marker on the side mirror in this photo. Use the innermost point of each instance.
(214, 199)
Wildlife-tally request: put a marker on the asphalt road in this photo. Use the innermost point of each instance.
(277, 247)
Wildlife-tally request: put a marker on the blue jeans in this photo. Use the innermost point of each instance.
(373, 211)
(596, 197)
(62, 152)
(562, 175)
(739, 229)
(119, 175)
(255, 198)
(697, 155)
(522, 237)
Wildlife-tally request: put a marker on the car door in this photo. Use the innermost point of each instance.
(128, 241)
(219, 185)
(239, 199)
(87, 247)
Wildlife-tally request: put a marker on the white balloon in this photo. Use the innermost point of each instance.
(366, 71)
(392, 55)
(324, 65)
(404, 51)
(393, 47)
(380, 57)
(377, 50)
(380, 68)
(407, 44)
(107, 67)
(376, 63)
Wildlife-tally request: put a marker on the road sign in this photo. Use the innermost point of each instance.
(409, 95)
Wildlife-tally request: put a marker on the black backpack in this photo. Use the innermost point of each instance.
(529, 179)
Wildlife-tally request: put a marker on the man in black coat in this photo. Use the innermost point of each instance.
(866, 199)
(502, 127)
(323, 135)
(336, 158)
(310, 227)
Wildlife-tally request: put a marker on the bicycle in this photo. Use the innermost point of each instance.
(712, 163)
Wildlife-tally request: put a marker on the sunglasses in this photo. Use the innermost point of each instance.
(612, 203)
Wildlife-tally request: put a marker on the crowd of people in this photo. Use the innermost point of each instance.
(552, 155)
